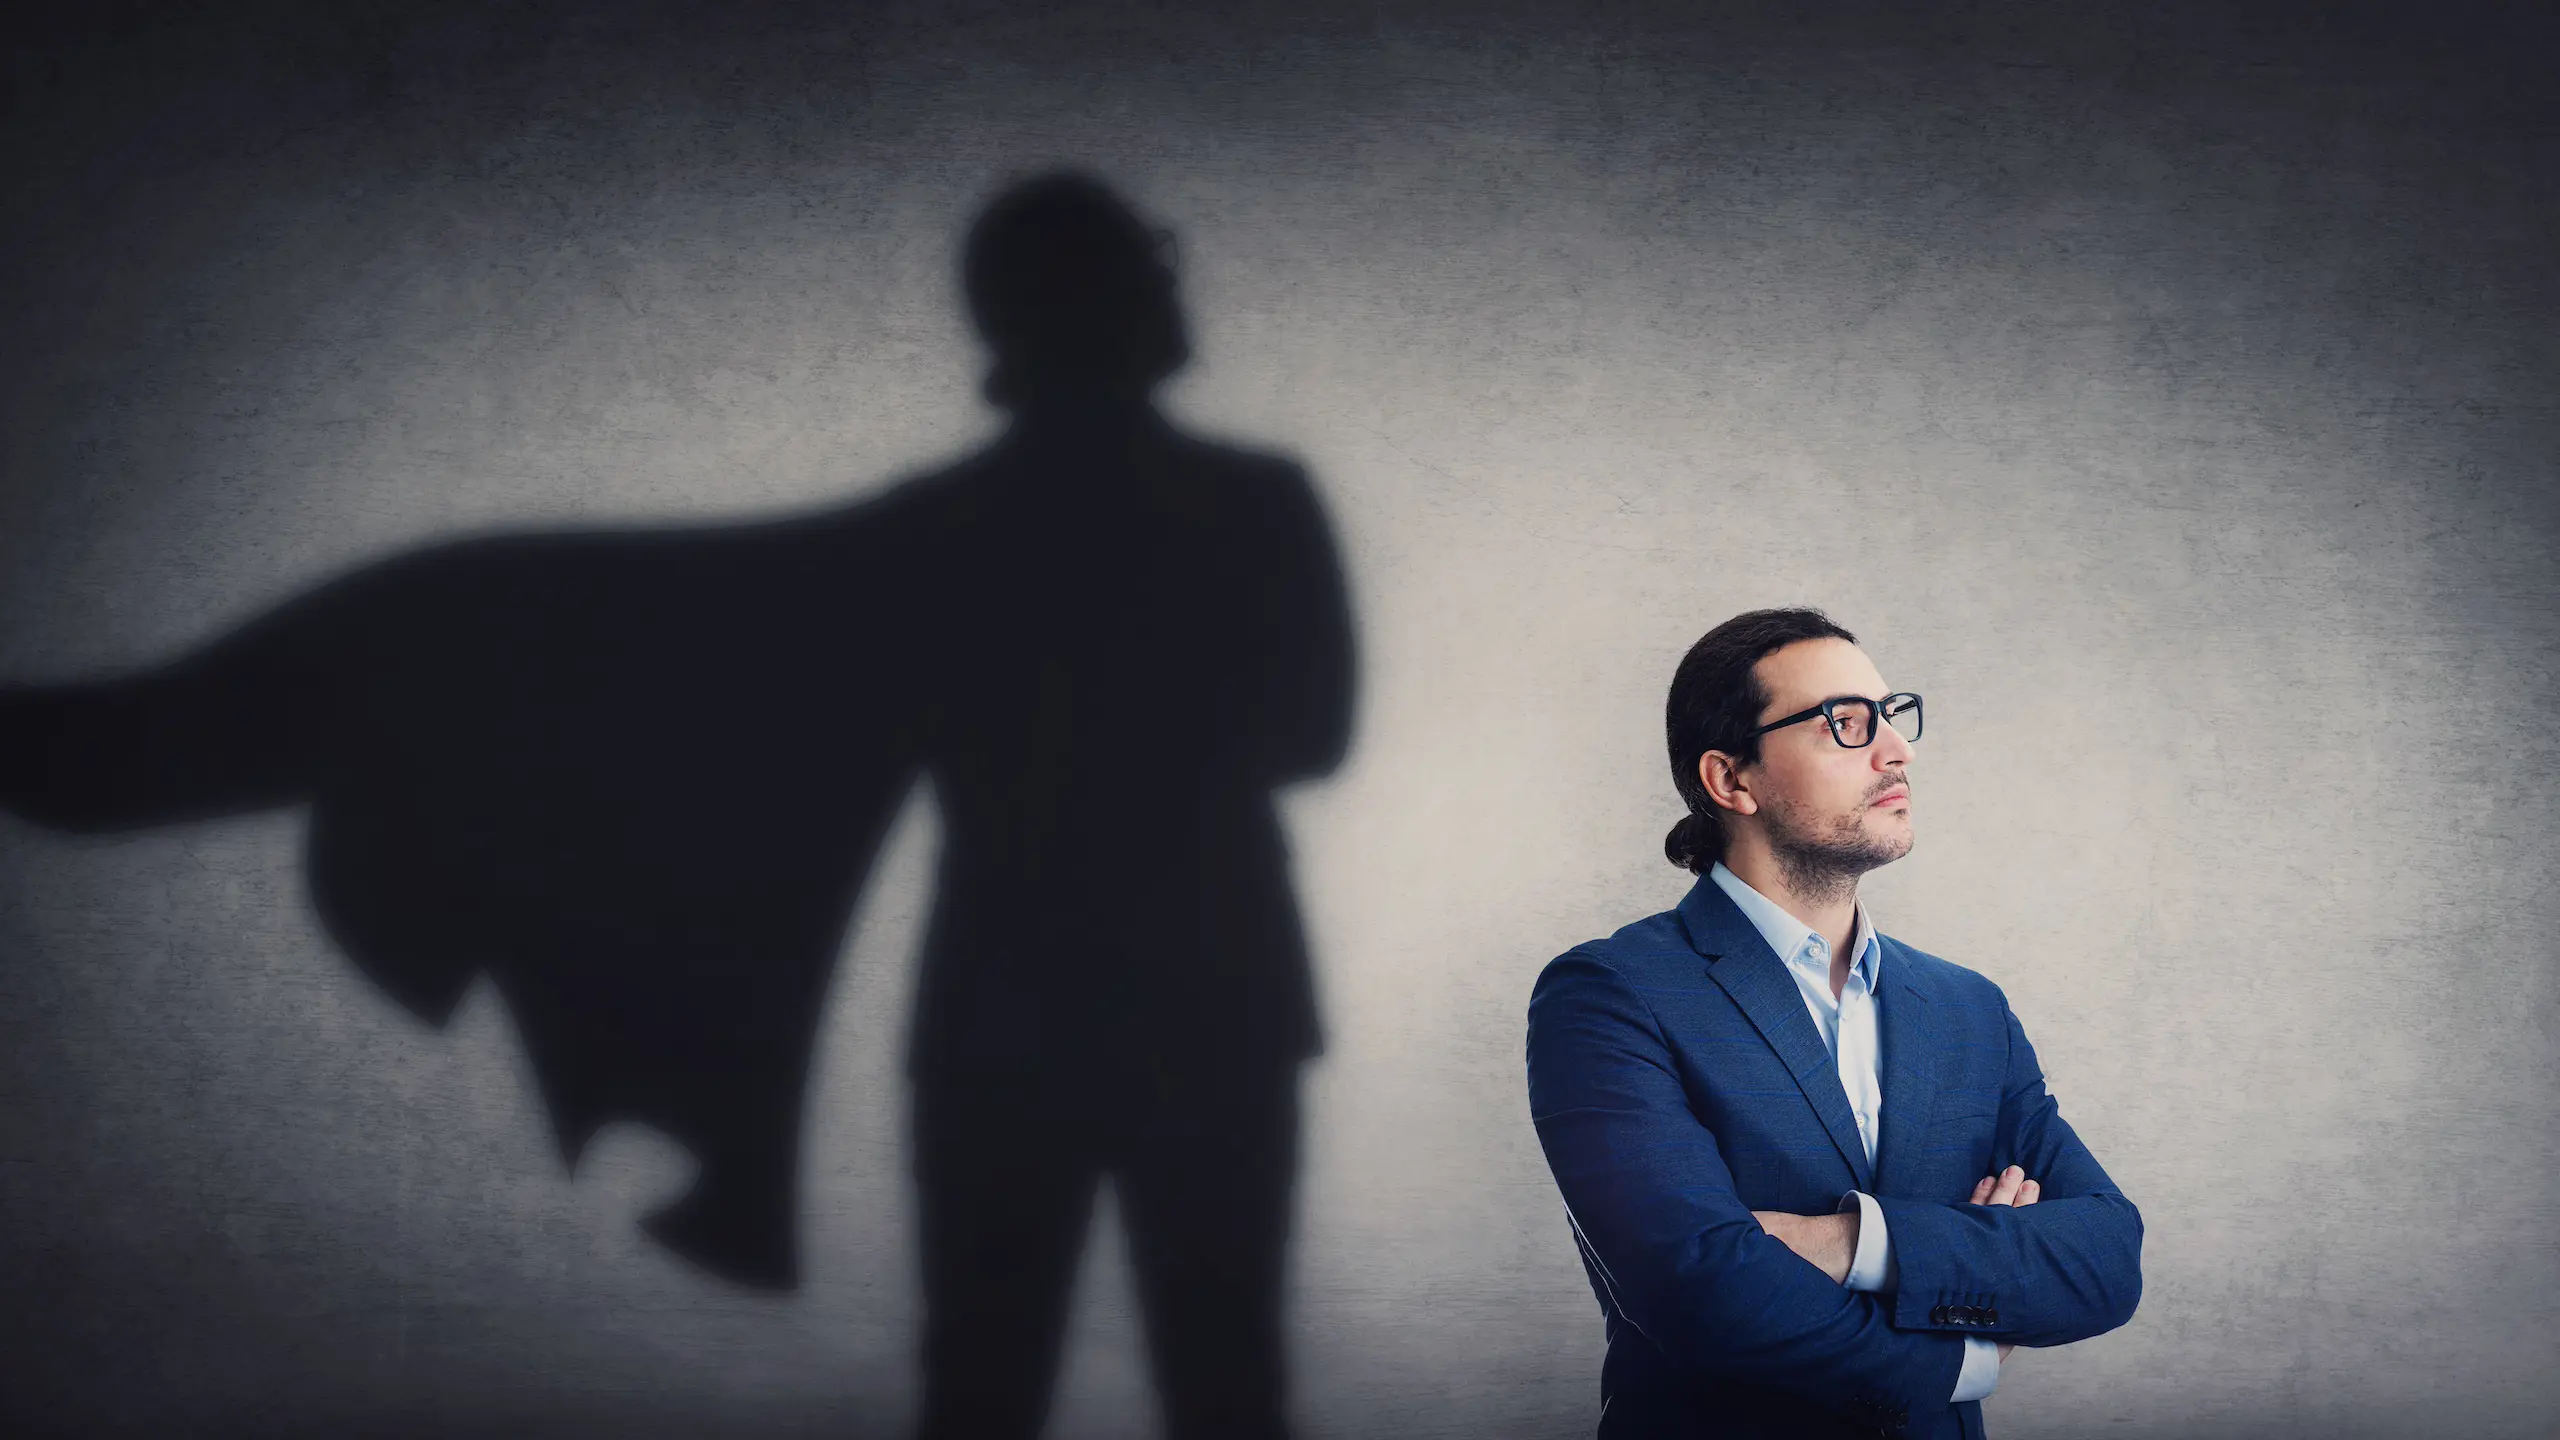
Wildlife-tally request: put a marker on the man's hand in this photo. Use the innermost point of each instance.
(1828, 1242)
(2009, 1187)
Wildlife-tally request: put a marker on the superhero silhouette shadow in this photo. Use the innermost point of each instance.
(638, 777)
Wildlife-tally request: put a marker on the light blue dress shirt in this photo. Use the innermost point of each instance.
(1847, 1024)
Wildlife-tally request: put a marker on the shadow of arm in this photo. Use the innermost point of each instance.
(1311, 650)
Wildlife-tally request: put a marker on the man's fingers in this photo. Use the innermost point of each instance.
(2006, 1191)
(2009, 1187)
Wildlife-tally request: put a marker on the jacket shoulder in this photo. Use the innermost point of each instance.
(1944, 978)
(1636, 951)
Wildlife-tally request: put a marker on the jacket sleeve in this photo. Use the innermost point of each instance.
(1661, 1228)
(2063, 1269)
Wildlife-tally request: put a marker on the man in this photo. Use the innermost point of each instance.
(1813, 1172)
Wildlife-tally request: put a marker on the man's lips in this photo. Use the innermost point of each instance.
(1893, 797)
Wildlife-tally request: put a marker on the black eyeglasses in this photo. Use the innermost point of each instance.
(1851, 719)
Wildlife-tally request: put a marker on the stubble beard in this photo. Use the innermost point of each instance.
(1821, 860)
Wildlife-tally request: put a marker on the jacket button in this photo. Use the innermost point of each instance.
(1938, 1316)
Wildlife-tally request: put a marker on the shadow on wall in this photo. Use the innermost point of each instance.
(638, 777)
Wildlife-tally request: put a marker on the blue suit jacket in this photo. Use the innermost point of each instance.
(1678, 1085)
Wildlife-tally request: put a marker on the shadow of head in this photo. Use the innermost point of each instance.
(1075, 295)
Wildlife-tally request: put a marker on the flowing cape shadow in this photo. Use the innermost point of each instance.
(638, 779)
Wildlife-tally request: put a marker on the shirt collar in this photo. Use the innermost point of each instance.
(1786, 934)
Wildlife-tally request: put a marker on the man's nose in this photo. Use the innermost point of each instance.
(1890, 749)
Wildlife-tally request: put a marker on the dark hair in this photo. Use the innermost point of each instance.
(1716, 700)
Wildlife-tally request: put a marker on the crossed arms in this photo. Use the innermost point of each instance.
(1701, 1275)
(1832, 1243)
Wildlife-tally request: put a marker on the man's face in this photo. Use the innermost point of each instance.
(1826, 807)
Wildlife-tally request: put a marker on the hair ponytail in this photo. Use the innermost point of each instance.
(1695, 844)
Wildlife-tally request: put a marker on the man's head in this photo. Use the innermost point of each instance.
(1074, 293)
(1825, 812)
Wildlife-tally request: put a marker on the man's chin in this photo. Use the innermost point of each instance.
(1888, 841)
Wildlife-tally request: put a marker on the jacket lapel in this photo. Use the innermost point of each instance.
(1910, 1066)
(1741, 962)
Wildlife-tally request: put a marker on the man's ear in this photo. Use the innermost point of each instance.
(1725, 785)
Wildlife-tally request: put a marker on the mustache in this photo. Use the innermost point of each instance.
(1890, 783)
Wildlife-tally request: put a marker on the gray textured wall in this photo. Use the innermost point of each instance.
(2168, 396)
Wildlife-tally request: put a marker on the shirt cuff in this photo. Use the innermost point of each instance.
(1981, 1373)
(1872, 1266)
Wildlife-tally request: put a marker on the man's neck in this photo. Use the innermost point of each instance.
(1831, 914)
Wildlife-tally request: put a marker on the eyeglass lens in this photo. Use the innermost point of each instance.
(1853, 724)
